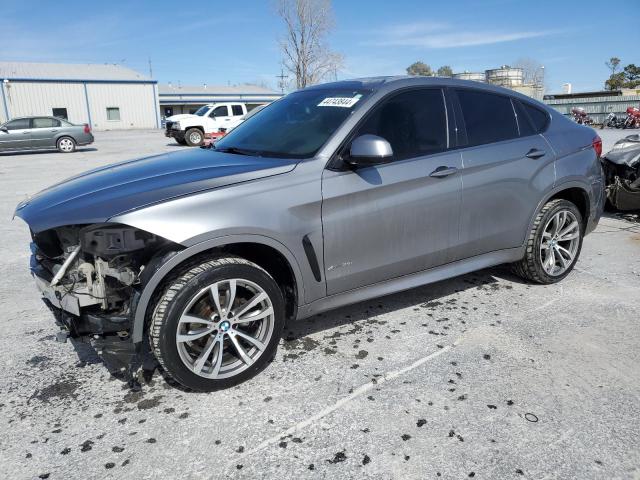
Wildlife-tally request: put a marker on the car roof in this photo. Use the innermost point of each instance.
(390, 83)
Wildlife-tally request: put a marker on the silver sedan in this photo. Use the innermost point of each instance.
(43, 133)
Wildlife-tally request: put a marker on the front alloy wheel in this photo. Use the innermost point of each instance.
(225, 328)
(217, 323)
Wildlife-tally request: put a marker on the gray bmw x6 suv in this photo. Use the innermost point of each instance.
(332, 195)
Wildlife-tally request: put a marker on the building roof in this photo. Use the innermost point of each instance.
(69, 71)
(205, 89)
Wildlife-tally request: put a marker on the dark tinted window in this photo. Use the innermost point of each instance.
(45, 123)
(18, 124)
(488, 117)
(237, 110)
(60, 113)
(414, 123)
(295, 126)
(220, 112)
(524, 122)
(538, 117)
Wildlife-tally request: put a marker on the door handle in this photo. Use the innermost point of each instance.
(535, 153)
(54, 131)
(443, 171)
(26, 133)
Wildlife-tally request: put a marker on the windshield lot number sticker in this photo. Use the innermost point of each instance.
(343, 102)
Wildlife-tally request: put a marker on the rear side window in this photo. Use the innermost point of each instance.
(488, 117)
(524, 122)
(538, 117)
(237, 110)
(413, 122)
(45, 123)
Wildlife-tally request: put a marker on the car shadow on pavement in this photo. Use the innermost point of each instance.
(424, 296)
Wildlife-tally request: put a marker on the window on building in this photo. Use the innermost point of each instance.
(414, 123)
(488, 117)
(221, 111)
(18, 124)
(113, 113)
(45, 122)
(60, 113)
(237, 110)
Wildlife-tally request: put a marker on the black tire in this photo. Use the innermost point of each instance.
(194, 137)
(176, 294)
(181, 141)
(66, 145)
(530, 267)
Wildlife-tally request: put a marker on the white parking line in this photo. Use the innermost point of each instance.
(358, 392)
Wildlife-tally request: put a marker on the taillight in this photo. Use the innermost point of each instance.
(87, 128)
(597, 145)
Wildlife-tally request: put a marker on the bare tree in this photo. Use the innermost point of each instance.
(532, 70)
(613, 64)
(306, 53)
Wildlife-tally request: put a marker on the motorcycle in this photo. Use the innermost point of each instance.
(612, 121)
(633, 118)
(581, 117)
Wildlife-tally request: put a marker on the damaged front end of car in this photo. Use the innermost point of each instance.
(622, 173)
(91, 277)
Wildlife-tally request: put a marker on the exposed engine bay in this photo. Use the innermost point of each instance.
(91, 277)
(93, 268)
(622, 173)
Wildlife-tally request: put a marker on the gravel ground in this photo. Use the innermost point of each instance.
(479, 376)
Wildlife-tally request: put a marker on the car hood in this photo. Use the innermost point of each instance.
(181, 116)
(98, 195)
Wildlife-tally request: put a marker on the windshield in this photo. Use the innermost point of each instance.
(202, 111)
(295, 126)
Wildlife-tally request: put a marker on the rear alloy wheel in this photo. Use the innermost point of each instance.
(554, 243)
(194, 137)
(217, 324)
(66, 145)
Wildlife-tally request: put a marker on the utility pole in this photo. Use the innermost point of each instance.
(281, 81)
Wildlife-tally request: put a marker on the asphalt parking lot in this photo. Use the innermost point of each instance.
(479, 376)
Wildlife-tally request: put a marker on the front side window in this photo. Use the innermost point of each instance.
(296, 126)
(113, 113)
(237, 110)
(413, 122)
(45, 122)
(488, 117)
(221, 111)
(202, 111)
(18, 124)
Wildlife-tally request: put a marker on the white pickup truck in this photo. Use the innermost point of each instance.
(211, 120)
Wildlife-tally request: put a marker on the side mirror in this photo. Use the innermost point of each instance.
(369, 150)
(4, 129)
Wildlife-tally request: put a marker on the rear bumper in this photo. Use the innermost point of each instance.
(597, 206)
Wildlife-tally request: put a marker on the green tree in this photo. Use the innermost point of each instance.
(445, 71)
(615, 82)
(419, 69)
(631, 76)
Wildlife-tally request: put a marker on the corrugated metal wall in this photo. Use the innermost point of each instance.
(137, 102)
(26, 99)
(597, 107)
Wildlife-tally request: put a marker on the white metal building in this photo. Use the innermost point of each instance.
(106, 96)
(176, 99)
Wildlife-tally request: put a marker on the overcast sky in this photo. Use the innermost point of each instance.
(219, 42)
